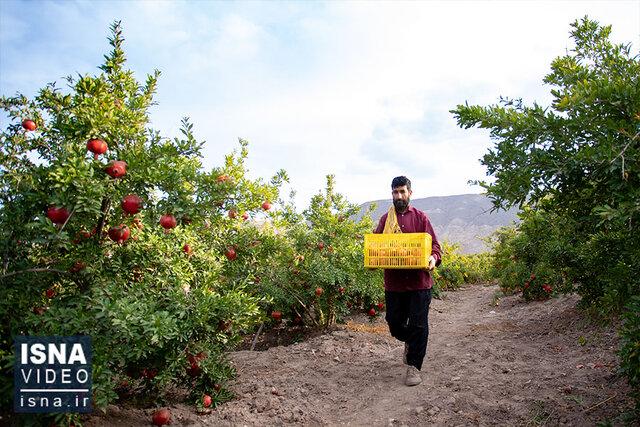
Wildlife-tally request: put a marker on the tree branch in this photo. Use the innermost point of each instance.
(106, 204)
(36, 270)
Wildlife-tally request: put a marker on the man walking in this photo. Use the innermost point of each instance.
(408, 292)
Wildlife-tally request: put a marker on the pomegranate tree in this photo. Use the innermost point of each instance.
(81, 255)
(310, 265)
(153, 312)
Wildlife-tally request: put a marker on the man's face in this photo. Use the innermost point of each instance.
(401, 197)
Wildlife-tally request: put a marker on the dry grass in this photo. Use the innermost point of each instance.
(370, 328)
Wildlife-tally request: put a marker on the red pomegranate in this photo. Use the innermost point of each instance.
(119, 233)
(194, 368)
(168, 221)
(231, 254)
(58, 215)
(29, 125)
(77, 266)
(116, 169)
(131, 204)
(97, 147)
(206, 400)
(161, 417)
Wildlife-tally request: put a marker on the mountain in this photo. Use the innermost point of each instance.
(463, 219)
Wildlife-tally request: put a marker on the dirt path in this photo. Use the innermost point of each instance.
(510, 364)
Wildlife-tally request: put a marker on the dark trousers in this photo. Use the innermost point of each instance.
(408, 320)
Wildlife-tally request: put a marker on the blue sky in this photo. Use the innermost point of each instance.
(359, 89)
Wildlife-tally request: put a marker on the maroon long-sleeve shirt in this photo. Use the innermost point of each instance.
(412, 221)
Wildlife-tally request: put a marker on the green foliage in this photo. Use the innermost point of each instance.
(526, 257)
(630, 347)
(149, 305)
(334, 244)
(582, 151)
(320, 250)
(163, 306)
(576, 165)
(458, 269)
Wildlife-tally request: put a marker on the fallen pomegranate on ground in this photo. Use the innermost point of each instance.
(206, 401)
(161, 417)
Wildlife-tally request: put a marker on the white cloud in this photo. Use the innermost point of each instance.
(239, 38)
(358, 89)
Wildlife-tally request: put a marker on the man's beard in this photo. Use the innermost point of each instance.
(401, 205)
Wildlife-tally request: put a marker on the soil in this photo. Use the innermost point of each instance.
(489, 361)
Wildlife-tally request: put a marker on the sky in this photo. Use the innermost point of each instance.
(358, 89)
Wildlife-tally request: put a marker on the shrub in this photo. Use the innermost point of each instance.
(576, 163)
(630, 348)
(526, 257)
(158, 314)
(315, 271)
(457, 269)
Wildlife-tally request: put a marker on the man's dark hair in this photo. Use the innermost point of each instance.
(400, 181)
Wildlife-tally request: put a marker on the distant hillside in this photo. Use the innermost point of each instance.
(462, 219)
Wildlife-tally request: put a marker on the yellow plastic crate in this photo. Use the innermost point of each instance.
(399, 250)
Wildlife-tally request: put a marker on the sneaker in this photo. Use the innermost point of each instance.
(413, 376)
(404, 356)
